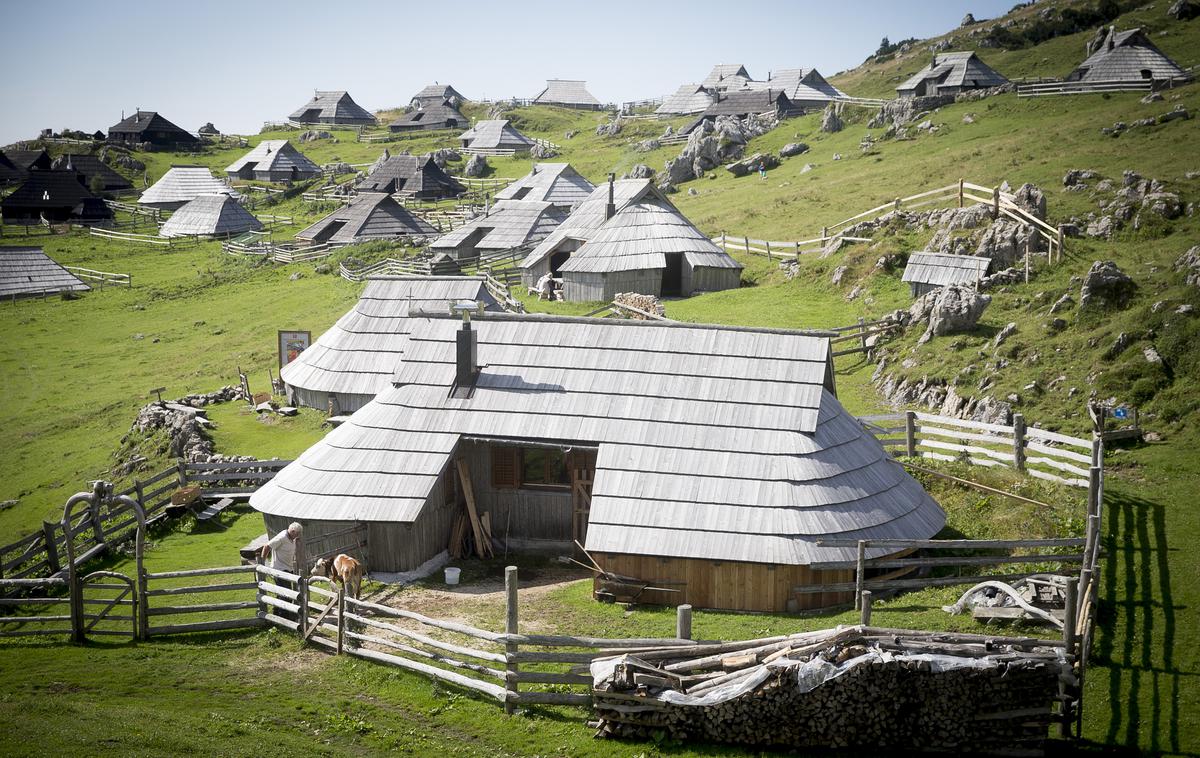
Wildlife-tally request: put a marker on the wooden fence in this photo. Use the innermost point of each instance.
(781, 250)
(107, 522)
(103, 277)
(173, 600)
(1049, 88)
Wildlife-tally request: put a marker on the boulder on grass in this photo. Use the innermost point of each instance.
(1106, 286)
(950, 310)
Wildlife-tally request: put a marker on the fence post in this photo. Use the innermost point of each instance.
(75, 588)
(181, 467)
(746, 241)
(1069, 630)
(996, 203)
(94, 515)
(51, 547)
(960, 193)
(910, 433)
(1019, 441)
(896, 203)
(865, 606)
(341, 629)
(301, 587)
(862, 333)
(510, 627)
(683, 622)
(769, 251)
(824, 235)
(859, 573)
(1029, 231)
(258, 593)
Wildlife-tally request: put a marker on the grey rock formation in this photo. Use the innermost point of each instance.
(831, 121)
(1106, 286)
(640, 171)
(1182, 10)
(312, 135)
(476, 166)
(541, 152)
(1032, 200)
(1189, 264)
(949, 310)
(792, 148)
(752, 164)
(647, 145)
(445, 155)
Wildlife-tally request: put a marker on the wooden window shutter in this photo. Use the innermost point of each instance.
(506, 468)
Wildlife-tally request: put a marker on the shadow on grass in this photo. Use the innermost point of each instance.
(1136, 625)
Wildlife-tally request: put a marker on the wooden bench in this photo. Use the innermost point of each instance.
(214, 509)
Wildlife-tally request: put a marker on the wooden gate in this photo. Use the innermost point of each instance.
(101, 604)
(583, 472)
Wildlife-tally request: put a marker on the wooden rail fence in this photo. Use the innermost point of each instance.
(103, 277)
(1048, 88)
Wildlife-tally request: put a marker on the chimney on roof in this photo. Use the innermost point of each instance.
(466, 353)
(1112, 34)
(610, 210)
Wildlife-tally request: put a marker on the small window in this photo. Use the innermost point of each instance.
(506, 468)
(544, 468)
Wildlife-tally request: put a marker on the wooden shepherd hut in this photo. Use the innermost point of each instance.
(556, 249)
(929, 271)
(274, 160)
(149, 127)
(708, 459)
(556, 183)
(368, 216)
(805, 88)
(411, 176)
(28, 271)
(725, 77)
(507, 224)
(567, 93)
(55, 196)
(354, 361)
(649, 247)
(333, 108)
(30, 160)
(437, 93)
(181, 185)
(210, 216)
(688, 99)
(495, 136)
(744, 102)
(950, 74)
(97, 175)
(441, 115)
(1129, 56)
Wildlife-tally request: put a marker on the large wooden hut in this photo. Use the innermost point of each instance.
(97, 175)
(1129, 56)
(507, 224)
(368, 216)
(411, 176)
(210, 216)
(556, 249)
(567, 93)
(28, 271)
(354, 361)
(688, 99)
(10, 173)
(555, 183)
(950, 74)
(441, 115)
(495, 136)
(274, 160)
(929, 271)
(55, 196)
(148, 127)
(438, 93)
(649, 247)
(181, 185)
(805, 88)
(744, 102)
(30, 160)
(332, 108)
(712, 460)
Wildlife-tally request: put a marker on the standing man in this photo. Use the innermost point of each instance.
(280, 554)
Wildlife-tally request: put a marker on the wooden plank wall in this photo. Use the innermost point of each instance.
(729, 585)
(528, 518)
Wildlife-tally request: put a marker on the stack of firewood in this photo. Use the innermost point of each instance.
(471, 536)
(976, 694)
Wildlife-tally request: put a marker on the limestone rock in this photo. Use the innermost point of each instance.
(541, 152)
(311, 135)
(1063, 303)
(1182, 10)
(477, 166)
(1031, 199)
(830, 121)
(640, 171)
(1189, 264)
(792, 148)
(753, 164)
(647, 145)
(1106, 286)
(949, 310)
(1009, 330)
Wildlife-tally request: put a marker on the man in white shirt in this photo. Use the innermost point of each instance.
(280, 553)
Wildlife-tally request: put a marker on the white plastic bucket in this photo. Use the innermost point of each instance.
(452, 573)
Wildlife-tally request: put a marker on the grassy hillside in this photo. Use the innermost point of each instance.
(76, 371)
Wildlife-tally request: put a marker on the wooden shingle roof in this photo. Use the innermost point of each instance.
(336, 106)
(960, 69)
(276, 155)
(411, 175)
(50, 189)
(183, 183)
(943, 269)
(369, 215)
(210, 215)
(142, 121)
(715, 443)
(689, 98)
(495, 134)
(590, 215)
(572, 92)
(359, 353)
(556, 183)
(9, 172)
(445, 115)
(29, 271)
(509, 223)
(91, 166)
(1128, 56)
(727, 76)
(437, 93)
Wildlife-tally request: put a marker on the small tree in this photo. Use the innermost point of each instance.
(96, 184)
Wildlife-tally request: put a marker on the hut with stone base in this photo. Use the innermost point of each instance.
(950, 74)
(711, 460)
(929, 271)
(354, 361)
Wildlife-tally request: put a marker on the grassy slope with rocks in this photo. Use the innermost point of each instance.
(75, 375)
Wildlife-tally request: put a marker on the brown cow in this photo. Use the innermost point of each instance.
(344, 570)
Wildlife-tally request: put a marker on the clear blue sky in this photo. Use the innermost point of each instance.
(237, 64)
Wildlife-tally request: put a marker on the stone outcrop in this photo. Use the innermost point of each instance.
(792, 148)
(477, 166)
(752, 164)
(541, 152)
(1106, 286)
(639, 171)
(948, 310)
(311, 135)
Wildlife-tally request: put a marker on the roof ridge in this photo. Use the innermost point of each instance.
(554, 318)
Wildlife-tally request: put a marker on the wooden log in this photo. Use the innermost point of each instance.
(208, 626)
(170, 610)
(553, 698)
(910, 435)
(908, 584)
(203, 588)
(865, 606)
(683, 622)
(860, 573)
(51, 547)
(450, 626)
(201, 572)
(279, 621)
(500, 693)
(448, 647)
(511, 627)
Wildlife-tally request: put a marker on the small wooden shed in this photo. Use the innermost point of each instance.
(274, 160)
(181, 185)
(1129, 56)
(567, 93)
(55, 196)
(210, 216)
(708, 459)
(411, 176)
(929, 271)
(430, 117)
(495, 135)
(354, 361)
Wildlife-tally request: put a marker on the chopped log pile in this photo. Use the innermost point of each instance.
(842, 688)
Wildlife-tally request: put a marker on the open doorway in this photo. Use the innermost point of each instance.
(672, 281)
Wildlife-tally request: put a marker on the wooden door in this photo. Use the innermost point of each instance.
(582, 465)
